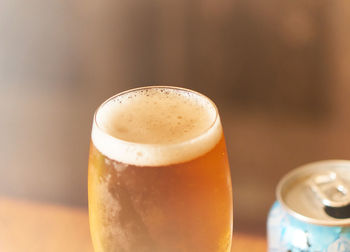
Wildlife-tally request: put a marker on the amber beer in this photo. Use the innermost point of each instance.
(159, 178)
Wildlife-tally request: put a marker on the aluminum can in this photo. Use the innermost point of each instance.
(312, 211)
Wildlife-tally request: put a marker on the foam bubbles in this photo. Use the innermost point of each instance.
(156, 126)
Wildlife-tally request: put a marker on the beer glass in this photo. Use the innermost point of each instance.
(159, 178)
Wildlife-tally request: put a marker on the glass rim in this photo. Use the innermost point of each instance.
(211, 126)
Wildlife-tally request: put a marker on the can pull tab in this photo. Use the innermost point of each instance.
(330, 189)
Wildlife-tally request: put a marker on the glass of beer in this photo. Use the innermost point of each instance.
(159, 178)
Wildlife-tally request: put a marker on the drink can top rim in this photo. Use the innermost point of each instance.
(301, 202)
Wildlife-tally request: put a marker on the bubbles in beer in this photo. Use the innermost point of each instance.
(150, 122)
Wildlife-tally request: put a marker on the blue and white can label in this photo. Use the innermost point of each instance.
(286, 233)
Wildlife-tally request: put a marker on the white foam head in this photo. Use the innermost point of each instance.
(155, 126)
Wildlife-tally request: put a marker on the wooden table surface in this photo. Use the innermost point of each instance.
(38, 227)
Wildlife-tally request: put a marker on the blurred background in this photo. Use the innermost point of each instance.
(278, 71)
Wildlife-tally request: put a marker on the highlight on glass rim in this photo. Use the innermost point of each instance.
(159, 178)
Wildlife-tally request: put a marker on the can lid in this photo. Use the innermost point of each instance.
(318, 193)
